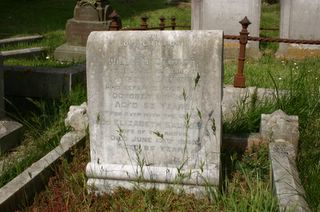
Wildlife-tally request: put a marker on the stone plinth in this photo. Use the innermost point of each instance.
(299, 20)
(225, 15)
(67, 52)
(77, 32)
(154, 107)
(86, 18)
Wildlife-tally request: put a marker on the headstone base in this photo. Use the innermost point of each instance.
(298, 51)
(77, 32)
(70, 53)
(231, 51)
(106, 178)
(101, 186)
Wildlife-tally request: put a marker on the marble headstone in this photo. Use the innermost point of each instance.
(225, 15)
(299, 20)
(154, 107)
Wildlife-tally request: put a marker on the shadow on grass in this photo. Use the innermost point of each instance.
(127, 10)
(38, 16)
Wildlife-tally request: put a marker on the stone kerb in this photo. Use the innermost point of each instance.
(154, 107)
(299, 20)
(282, 133)
(22, 189)
(225, 15)
(1, 88)
(286, 181)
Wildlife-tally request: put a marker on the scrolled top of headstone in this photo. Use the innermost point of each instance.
(279, 125)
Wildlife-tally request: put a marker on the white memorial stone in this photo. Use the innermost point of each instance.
(154, 107)
(77, 117)
(299, 20)
(225, 15)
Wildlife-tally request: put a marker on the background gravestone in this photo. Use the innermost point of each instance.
(225, 15)
(154, 107)
(89, 15)
(299, 20)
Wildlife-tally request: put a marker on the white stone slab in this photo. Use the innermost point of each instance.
(286, 181)
(299, 20)
(225, 15)
(142, 89)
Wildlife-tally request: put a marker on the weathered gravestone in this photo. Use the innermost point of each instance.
(225, 15)
(154, 107)
(89, 15)
(299, 20)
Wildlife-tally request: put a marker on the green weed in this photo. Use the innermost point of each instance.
(244, 191)
(44, 128)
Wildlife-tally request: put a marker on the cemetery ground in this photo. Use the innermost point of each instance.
(247, 183)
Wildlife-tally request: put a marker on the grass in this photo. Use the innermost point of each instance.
(270, 20)
(247, 186)
(48, 18)
(247, 189)
(131, 14)
(301, 80)
(26, 17)
(44, 128)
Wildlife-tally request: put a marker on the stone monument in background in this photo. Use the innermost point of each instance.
(154, 108)
(299, 20)
(225, 15)
(89, 15)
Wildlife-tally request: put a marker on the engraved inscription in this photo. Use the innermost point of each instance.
(153, 99)
(147, 96)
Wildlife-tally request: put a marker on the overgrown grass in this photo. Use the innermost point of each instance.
(300, 78)
(247, 189)
(43, 129)
(131, 13)
(301, 81)
(270, 19)
(25, 17)
(268, 71)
